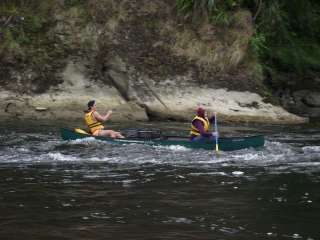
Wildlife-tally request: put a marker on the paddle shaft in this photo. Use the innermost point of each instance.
(216, 129)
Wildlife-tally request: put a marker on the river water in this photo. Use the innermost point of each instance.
(88, 189)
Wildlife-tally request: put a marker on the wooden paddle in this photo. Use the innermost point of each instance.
(216, 133)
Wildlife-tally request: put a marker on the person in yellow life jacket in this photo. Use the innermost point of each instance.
(200, 126)
(94, 122)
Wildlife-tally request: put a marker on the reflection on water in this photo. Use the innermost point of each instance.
(88, 189)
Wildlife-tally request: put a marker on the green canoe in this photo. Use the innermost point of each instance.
(225, 144)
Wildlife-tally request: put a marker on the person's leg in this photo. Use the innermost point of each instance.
(109, 133)
(197, 139)
(103, 133)
(202, 139)
(119, 135)
(115, 134)
(96, 133)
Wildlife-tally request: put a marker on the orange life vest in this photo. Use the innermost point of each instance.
(92, 123)
(206, 125)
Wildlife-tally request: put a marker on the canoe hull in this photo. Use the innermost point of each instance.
(225, 144)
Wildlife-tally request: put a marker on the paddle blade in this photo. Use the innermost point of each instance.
(79, 130)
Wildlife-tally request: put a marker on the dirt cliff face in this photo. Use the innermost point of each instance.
(154, 43)
(147, 37)
(141, 51)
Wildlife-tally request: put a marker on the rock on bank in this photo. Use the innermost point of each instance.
(169, 101)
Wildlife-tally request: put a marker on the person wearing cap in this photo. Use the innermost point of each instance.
(94, 122)
(200, 126)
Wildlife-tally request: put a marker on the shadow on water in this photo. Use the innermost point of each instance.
(88, 189)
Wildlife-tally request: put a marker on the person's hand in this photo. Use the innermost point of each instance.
(215, 134)
(109, 112)
(212, 114)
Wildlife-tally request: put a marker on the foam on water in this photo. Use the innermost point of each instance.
(208, 173)
(88, 140)
(41, 148)
(59, 157)
(311, 149)
(237, 173)
(176, 148)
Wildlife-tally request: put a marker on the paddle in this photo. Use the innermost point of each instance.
(216, 135)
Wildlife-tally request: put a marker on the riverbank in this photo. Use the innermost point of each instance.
(66, 103)
(170, 99)
(140, 59)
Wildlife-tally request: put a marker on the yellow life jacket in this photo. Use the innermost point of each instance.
(92, 123)
(206, 125)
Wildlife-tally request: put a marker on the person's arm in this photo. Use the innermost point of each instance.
(103, 118)
(199, 126)
(212, 118)
(212, 122)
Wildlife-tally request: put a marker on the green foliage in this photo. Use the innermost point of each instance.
(24, 21)
(9, 44)
(185, 6)
(25, 26)
(221, 17)
(287, 31)
(258, 44)
(299, 57)
(291, 30)
(216, 10)
(73, 3)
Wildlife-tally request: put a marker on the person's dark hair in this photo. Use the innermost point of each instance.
(90, 104)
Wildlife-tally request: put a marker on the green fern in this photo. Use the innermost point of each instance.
(258, 44)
